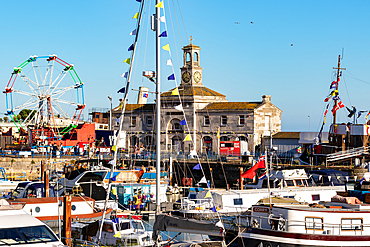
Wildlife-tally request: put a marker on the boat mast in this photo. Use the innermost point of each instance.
(338, 74)
(158, 106)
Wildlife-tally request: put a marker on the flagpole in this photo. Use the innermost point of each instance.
(338, 73)
(268, 179)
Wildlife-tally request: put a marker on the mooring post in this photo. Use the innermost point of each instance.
(66, 232)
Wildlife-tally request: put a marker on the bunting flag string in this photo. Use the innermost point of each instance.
(183, 122)
(122, 90)
(128, 61)
(179, 107)
(163, 34)
(187, 138)
(136, 16)
(159, 5)
(175, 92)
(133, 32)
(166, 47)
(162, 19)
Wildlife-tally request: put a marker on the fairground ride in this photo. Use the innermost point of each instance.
(52, 92)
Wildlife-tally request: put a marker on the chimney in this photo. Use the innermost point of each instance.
(142, 98)
(266, 98)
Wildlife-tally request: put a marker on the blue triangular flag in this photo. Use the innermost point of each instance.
(122, 90)
(183, 122)
(171, 77)
(214, 209)
(197, 167)
(163, 34)
(131, 48)
(117, 119)
(114, 179)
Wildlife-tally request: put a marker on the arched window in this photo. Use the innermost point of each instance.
(188, 57)
(176, 126)
(196, 57)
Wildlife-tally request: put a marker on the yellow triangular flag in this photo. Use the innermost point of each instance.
(208, 195)
(113, 148)
(114, 191)
(128, 61)
(166, 47)
(175, 92)
(187, 138)
(159, 5)
(136, 16)
(117, 235)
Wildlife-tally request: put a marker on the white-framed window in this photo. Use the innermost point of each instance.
(223, 120)
(352, 224)
(149, 120)
(314, 223)
(241, 119)
(206, 120)
(133, 121)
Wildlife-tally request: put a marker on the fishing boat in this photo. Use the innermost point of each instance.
(346, 142)
(18, 228)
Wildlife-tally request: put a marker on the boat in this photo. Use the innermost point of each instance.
(302, 224)
(18, 228)
(286, 183)
(345, 142)
(118, 231)
(49, 209)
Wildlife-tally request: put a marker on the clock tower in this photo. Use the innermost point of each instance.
(191, 72)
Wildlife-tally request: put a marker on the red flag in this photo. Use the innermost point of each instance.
(252, 171)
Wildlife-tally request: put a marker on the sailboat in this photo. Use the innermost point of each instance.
(163, 222)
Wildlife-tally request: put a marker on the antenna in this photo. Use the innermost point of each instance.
(342, 52)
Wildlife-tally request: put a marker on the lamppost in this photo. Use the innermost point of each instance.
(309, 123)
(110, 113)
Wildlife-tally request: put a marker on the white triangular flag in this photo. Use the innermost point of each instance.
(179, 107)
(169, 62)
(202, 181)
(162, 19)
(220, 225)
(133, 32)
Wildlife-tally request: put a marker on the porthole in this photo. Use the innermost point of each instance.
(73, 207)
(37, 209)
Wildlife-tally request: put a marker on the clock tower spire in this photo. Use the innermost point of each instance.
(191, 72)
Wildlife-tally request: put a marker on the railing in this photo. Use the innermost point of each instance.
(196, 204)
(348, 154)
(307, 227)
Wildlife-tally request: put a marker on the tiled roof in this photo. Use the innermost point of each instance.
(286, 135)
(233, 106)
(193, 91)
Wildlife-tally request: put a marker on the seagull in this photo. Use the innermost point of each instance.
(291, 44)
(251, 22)
(237, 22)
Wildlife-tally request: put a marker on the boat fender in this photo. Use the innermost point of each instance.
(281, 225)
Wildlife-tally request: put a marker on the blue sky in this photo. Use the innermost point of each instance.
(242, 60)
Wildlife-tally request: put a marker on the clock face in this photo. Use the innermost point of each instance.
(186, 76)
(197, 76)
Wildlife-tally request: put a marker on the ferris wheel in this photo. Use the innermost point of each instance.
(51, 92)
